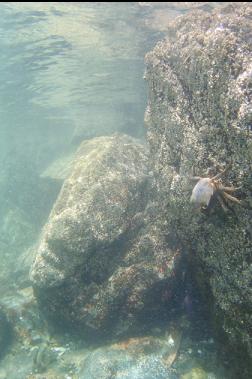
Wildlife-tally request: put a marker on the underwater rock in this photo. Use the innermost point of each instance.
(43, 357)
(195, 373)
(30, 349)
(138, 358)
(22, 313)
(102, 265)
(199, 118)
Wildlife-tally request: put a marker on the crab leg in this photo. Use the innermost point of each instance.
(222, 203)
(228, 189)
(232, 198)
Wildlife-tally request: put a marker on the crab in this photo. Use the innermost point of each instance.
(207, 187)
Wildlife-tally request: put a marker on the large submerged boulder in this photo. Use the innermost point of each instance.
(199, 119)
(102, 261)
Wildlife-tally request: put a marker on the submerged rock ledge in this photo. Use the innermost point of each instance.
(199, 118)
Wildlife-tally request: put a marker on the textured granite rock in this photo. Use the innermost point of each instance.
(199, 119)
(139, 358)
(102, 264)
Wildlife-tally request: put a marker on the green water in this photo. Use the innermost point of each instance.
(69, 71)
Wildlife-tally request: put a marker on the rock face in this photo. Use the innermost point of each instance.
(101, 259)
(138, 358)
(199, 118)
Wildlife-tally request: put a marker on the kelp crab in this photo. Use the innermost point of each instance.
(207, 187)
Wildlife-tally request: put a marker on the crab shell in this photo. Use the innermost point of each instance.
(202, 192)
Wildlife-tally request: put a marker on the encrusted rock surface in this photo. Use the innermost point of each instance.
(199, 117)
(161, 354)
(138, 358)
(102, 262)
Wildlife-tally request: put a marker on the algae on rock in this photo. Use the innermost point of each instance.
(102, 264)
(199, 117)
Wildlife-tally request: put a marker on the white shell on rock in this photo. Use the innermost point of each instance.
(202, 192)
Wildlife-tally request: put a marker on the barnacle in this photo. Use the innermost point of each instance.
(207, 187)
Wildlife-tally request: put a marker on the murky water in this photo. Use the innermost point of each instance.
(68, 72)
